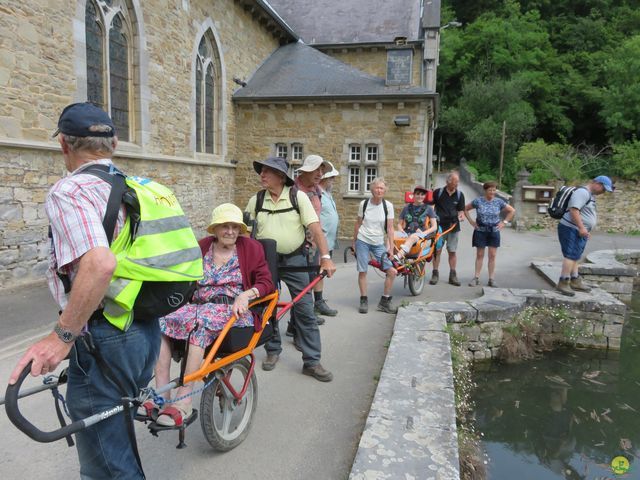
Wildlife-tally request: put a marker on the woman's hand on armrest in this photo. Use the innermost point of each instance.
(241, 304)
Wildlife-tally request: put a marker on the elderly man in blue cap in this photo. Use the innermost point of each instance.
(574, 231)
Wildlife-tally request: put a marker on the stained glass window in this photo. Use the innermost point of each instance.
(119, 77)
(209, 110)
(199, 122)
(95, 62)
(207, 96)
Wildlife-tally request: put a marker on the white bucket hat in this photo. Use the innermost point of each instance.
(312, 163)
(332, 172)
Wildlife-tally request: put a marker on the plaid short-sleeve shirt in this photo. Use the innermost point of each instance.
(76, 206)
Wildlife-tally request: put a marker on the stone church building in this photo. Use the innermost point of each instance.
(199, 89)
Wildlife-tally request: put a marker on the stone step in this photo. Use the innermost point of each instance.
(550, 271)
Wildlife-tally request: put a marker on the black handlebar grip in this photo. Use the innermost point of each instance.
(26, 427)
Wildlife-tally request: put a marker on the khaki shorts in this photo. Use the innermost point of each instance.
(451, 239)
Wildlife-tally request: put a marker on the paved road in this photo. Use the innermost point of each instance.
(303, 429)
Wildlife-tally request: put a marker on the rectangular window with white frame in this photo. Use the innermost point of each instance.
(362, 168)
(282, 150)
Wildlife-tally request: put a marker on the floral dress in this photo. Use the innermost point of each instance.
(210, 318)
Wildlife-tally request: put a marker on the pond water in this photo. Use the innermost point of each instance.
(565, 416)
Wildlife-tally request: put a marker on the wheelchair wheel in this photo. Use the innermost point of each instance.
(416, 279)
(225, 421)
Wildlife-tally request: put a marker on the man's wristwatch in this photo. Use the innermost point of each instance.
(67, 336)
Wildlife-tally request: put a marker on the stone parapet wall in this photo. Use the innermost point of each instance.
(598, 314)
(411, 428)
(615, 271)
(617, 212)
(26, 176)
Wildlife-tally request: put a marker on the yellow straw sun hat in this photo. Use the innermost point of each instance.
(226, 213)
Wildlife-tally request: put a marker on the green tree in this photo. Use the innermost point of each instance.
(620, 96)
(475, 122)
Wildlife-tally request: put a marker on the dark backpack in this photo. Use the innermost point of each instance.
(415, 218)
(441, 191)
(560, 203)
(293, 198)
(384, 207)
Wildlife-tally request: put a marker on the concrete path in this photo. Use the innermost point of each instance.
(303, 429)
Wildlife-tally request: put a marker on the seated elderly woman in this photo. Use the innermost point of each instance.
(235, 272)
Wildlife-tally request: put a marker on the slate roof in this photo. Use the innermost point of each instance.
(299, 72)
(329, 22)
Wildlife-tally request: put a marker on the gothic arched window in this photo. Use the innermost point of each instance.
(207, 96)
(109, 48)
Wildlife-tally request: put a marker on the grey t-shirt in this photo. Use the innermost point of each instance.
(583, 200)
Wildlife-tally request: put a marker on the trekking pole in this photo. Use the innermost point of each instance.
(304, 291)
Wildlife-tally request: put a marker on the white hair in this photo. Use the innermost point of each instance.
(91, 144)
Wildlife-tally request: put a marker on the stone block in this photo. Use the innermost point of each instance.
(614, 343)
(455, 312)
(497, 305)
(418, 317)
(611, 331)
(618, 287)
(612, 318)
(28, 252)
(9, 257)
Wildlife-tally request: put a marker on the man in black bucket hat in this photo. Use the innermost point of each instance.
(277, 218)
(275, 163)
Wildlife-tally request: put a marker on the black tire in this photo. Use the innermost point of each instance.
(416, 280)
(226, 423)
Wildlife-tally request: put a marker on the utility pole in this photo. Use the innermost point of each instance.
(504, 136)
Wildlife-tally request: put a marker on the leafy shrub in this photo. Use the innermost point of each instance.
(626, 159)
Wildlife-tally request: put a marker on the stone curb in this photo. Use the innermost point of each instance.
(411, 428)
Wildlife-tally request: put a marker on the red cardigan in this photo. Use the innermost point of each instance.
(253, 266)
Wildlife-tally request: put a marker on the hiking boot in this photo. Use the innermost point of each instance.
(385, 305)
(318, 372)
(364, 305)
(321, 308)
(578, 285)
(564, 288)
(320, 320)
(475, 282)
(291, 330)
(453, 278)
(492, 283)
(269, 363)
(435, 276)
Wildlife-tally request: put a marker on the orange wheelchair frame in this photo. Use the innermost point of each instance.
(223, 392)
(414, 265)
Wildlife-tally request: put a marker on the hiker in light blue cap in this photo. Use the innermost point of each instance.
(574, 231)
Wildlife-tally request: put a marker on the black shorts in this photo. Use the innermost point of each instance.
(482, 239)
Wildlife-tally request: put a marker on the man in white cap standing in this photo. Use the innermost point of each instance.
(308, 181)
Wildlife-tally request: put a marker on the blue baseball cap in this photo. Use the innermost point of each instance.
(85, 120)
(606, 182)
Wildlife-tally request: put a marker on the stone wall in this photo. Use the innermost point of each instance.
(617, 212)
(39, 59)
(482, 320)
(27, 174)
(614, 271)
(373, 60)
(41, 68)
(327, 130)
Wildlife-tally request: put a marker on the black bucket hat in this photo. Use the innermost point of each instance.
(277, 163)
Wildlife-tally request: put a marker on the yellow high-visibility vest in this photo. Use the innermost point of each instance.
(163, 248)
